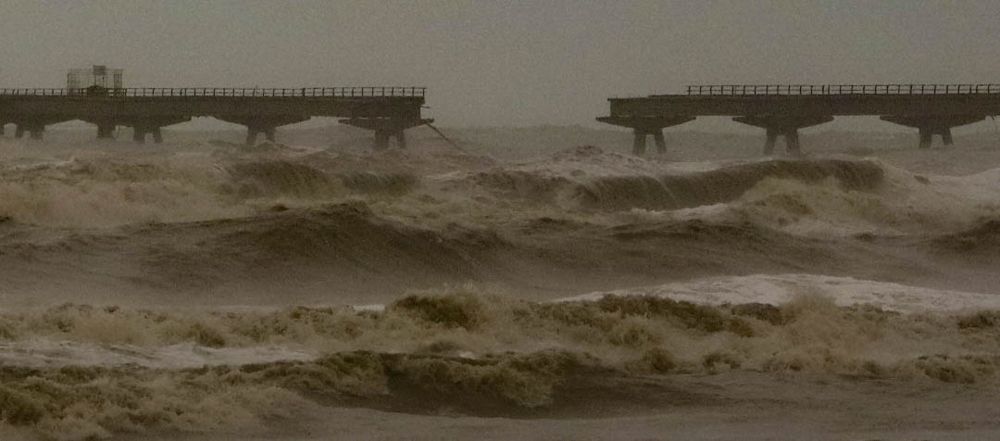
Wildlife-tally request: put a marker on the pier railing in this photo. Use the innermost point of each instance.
(250, 92)
(841, 89)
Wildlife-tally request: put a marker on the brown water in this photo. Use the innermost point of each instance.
(204, 290)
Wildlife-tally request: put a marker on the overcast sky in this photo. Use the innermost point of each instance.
(502, 62)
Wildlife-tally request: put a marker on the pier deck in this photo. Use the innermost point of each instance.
(388, 111)
(781, 110)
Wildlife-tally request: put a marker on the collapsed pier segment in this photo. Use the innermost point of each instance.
(387, 111)
(781, 110)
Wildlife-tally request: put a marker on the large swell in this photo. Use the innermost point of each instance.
(208, 287)
(465, 351)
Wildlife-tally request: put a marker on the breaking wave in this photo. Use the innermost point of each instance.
(721, 185)
(590, 179)
(463, 350)
(980, 241)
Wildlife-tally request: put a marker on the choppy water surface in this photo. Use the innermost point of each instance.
(212, 291)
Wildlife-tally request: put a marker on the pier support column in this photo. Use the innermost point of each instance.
(139, 134)
(34, 130)
(252, 135)
(105, 132)
(266, 125)
(381, 139)
(34, 125)
(401, 139)
(786, 126)
(643, 127)
(387, 128)
(106, 127)
(770, 142)
(928, 126)
(926, 138)
(384, 137)
(151, 126)
(792, 142)
(640, 138)
(661, 142)
(638, 142)
(254, 132)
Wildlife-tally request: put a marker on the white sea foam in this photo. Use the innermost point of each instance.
(45, 352)
(777, 289)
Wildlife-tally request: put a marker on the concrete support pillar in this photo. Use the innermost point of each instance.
(266, 125)
(926, 138)
(928, 126)
(253, 132)
(1, 129)
(645, 126)
(387, 128)
(384, 137)
(946, 136)
(792, 142)
(105, 131)
(786, 126)
(151, 125)
(639, 142)
(401, 139)
(661, 142)
(770, 142)
(33, 130)
(381, 139)
(139, 135)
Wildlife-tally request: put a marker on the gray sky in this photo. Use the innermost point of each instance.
(503, 62)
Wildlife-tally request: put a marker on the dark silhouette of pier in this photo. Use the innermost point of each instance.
(781, 110)
(387, 111)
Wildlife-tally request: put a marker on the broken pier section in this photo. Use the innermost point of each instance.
(387, 111)
(781, 110)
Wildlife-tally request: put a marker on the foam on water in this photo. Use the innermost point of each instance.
(778, 289)
(45, 352)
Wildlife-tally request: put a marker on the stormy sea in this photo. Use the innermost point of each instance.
(535, 283)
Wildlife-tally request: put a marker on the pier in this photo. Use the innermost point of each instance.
(387, 111)
(781, 110)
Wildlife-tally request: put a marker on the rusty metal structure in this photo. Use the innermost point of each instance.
(94, 80)
(781, 110)
(96, 96)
